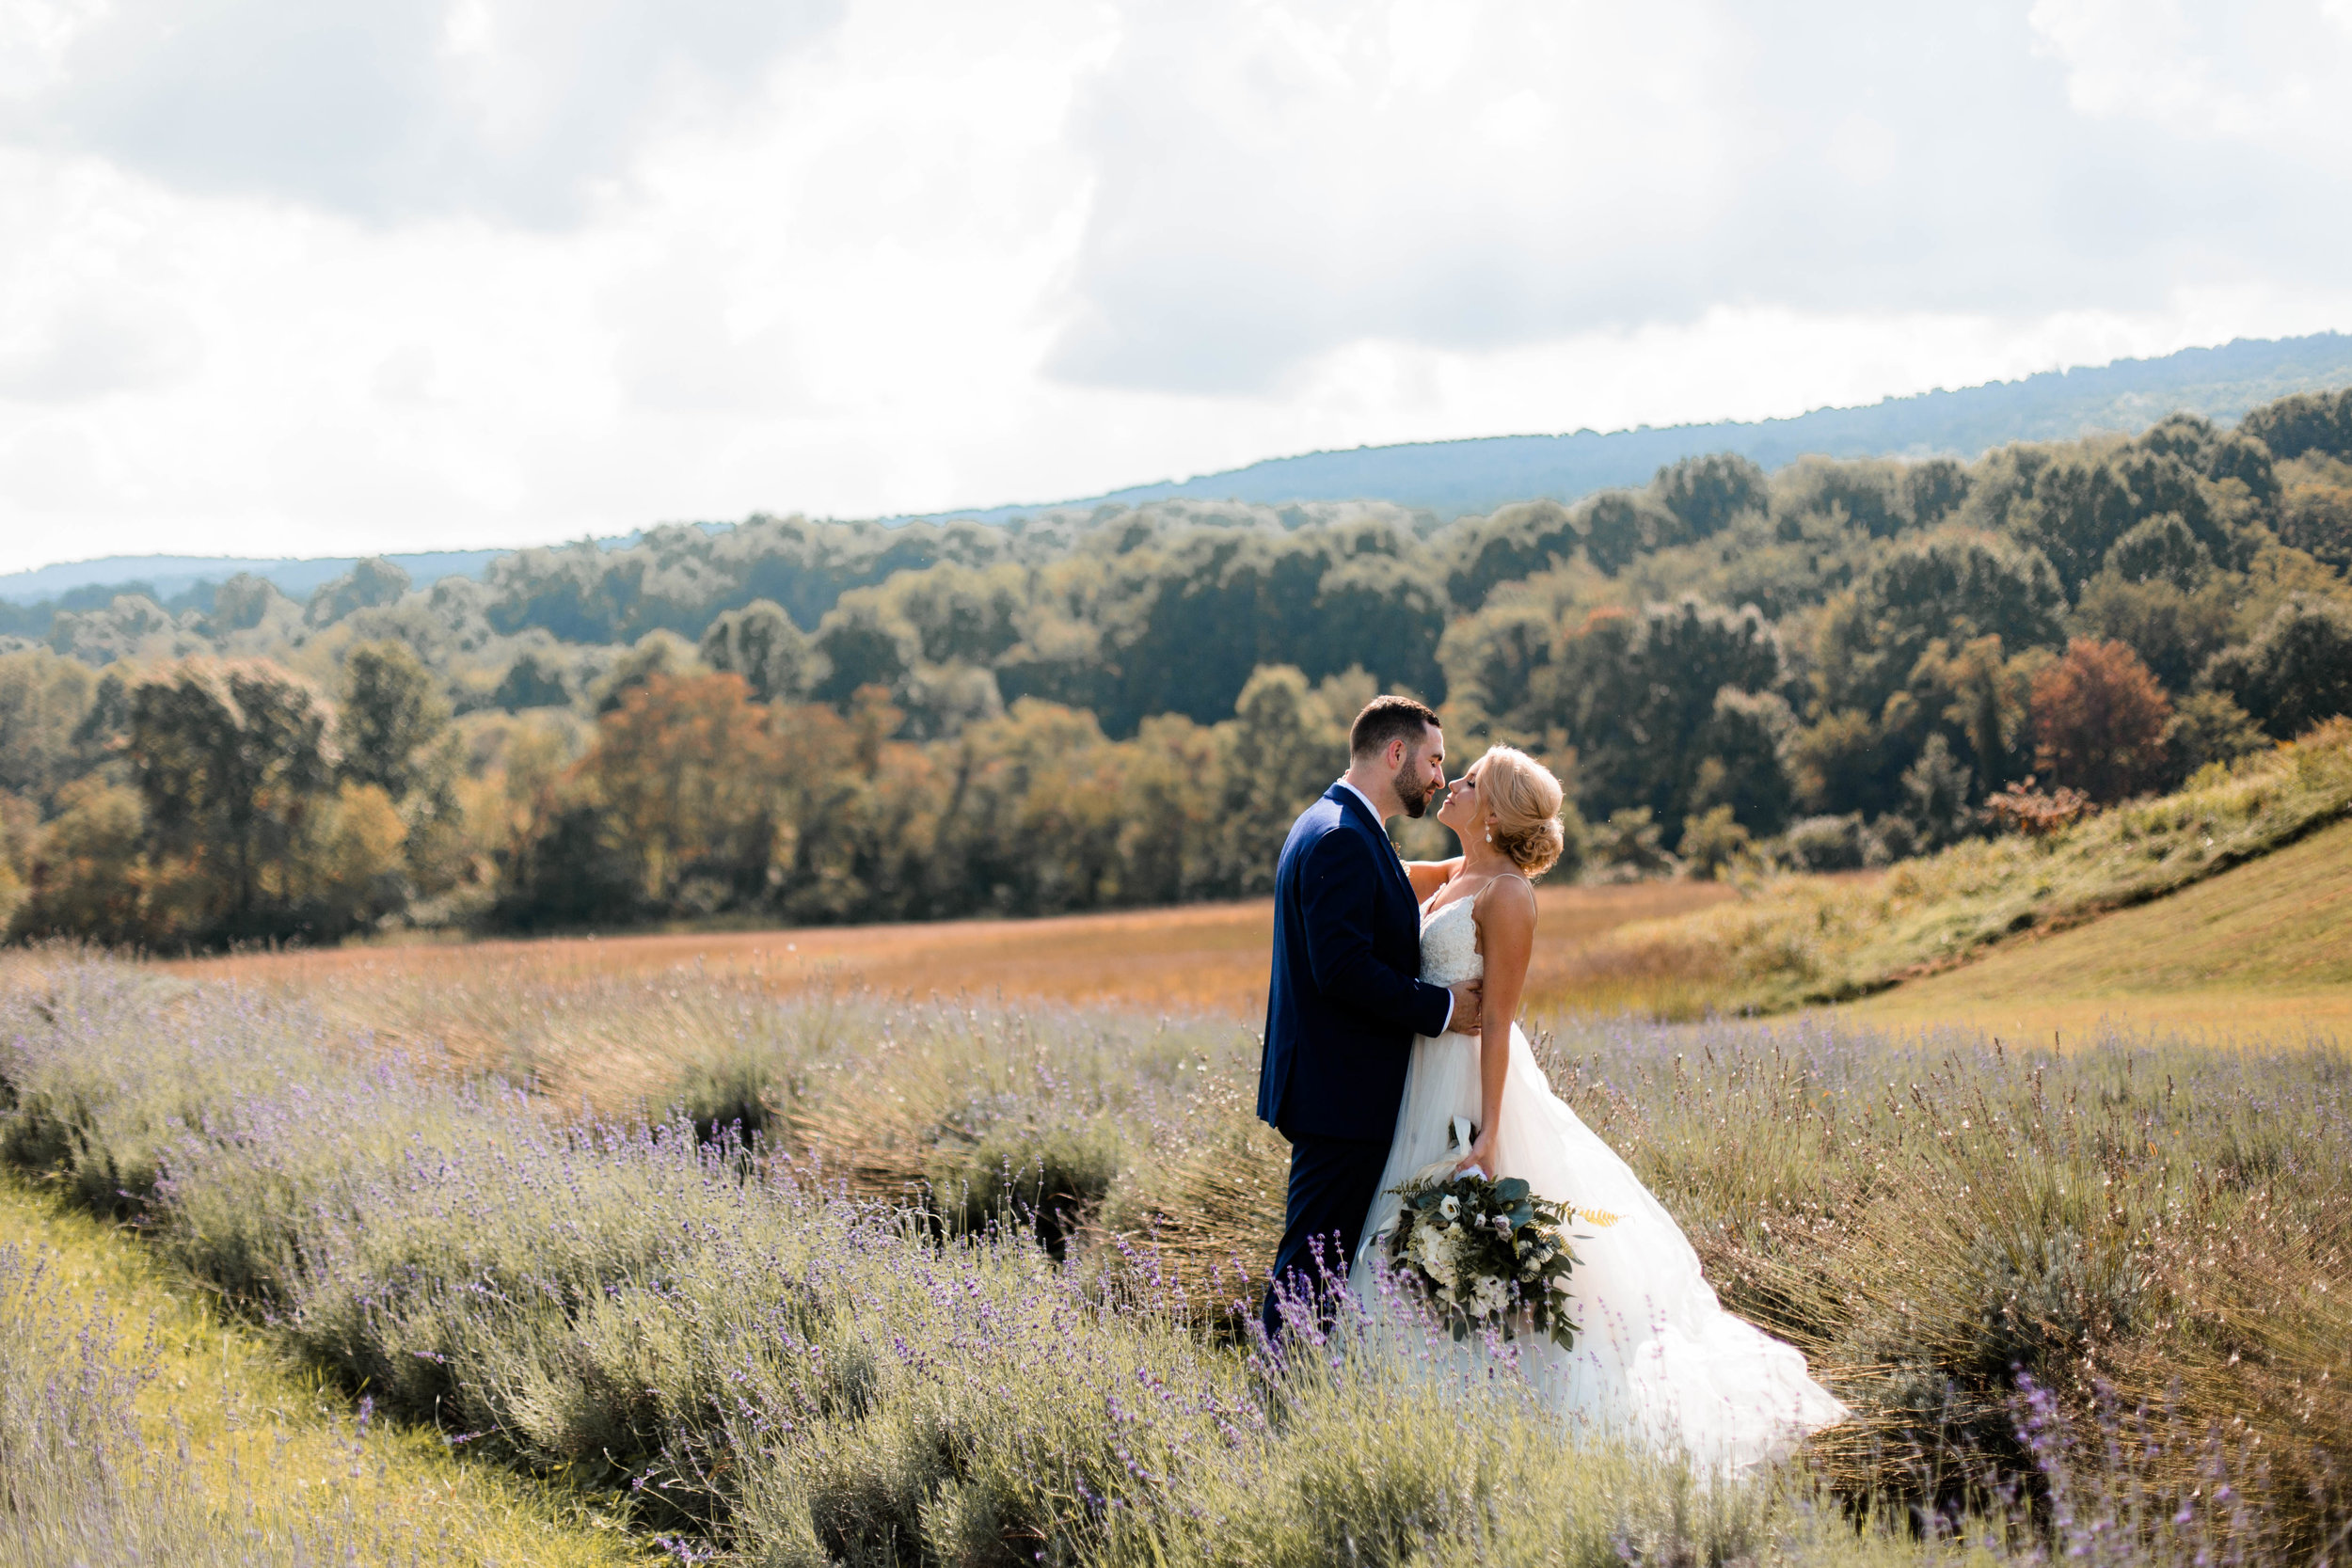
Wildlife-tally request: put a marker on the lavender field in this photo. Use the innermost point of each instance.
(835, 1279)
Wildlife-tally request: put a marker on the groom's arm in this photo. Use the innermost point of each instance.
(1339, 886)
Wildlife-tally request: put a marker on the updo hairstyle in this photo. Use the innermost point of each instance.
(1522, 800)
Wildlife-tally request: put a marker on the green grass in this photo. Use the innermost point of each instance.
(1799, 940)
(256, 1458)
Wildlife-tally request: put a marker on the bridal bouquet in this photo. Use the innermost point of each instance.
(1484, 1247)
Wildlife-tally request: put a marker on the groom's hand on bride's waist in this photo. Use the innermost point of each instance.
(1467, 1001)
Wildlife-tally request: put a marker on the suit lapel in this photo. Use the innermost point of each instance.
(1352, 802)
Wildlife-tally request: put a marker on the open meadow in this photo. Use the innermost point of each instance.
(1194, 958)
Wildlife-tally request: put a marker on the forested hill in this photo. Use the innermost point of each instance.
(1453, 478)
(1839, 663)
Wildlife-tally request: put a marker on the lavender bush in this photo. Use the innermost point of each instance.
(836, 1342)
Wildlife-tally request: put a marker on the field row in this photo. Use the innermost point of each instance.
(967, 1292)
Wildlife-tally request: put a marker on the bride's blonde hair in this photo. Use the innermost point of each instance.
(1522, 802)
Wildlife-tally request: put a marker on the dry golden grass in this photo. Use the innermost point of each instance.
(1806, 940)
(1200, 958)
(2261, 951)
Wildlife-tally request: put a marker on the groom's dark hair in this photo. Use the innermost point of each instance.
(1387, 719)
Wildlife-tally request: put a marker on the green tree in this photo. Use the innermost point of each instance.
(864, 644)
(2296, 672)
(535, 679)
(2082, 506)
(2315, 517)
(1935, 795)
(2208, 727)
(1871, 495)
(657, 653)
(373, 582)
(2174, 629)
(1934, 490)
(90, 876)
(1951, 588)
(1493, 660)
(1741, 764)
(1620, 525)
(1639, 698)
(229, 759)
(960, 615)
(1482, 553)
(760, 644)
(2161, 550)
(1708, 493)
(244, 602)
(393, 722)
(44, 700)
(1714, 843)
(2303, 422)
(1287, 747)
(1170, 848)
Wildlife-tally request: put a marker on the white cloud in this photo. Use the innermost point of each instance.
(392, 107)
(334, 275)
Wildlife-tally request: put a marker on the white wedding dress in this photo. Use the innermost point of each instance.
(1658, 1361)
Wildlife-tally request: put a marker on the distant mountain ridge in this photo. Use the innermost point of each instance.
(1456, 478)
(170, 576)
(1476, 475)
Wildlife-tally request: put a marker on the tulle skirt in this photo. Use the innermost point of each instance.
(1657, 1361)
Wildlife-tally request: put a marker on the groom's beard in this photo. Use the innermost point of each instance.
(1413, 792)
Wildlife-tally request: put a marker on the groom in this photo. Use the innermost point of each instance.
(1346, 999)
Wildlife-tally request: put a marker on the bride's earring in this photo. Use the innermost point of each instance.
(1490, 833)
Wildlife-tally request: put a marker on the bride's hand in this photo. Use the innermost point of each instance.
(1482, 1154)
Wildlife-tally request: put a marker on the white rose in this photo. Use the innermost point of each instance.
(1450, 1207)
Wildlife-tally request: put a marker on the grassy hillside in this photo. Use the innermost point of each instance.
(1812, 939)
(2262, 947)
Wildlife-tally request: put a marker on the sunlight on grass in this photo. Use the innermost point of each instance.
(1795, 941)
(279, 1463)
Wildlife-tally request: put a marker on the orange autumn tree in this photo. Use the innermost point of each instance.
(687, 769)
(2098, 721)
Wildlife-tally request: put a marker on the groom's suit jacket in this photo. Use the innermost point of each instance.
(1345, 999)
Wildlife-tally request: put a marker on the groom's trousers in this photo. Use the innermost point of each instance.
(1333, 1182)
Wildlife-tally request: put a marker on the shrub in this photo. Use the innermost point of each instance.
(1713, 844)
(1828, 844)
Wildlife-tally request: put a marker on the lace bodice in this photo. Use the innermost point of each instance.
(1449, 946)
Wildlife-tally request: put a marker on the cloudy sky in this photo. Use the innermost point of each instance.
(320, 277)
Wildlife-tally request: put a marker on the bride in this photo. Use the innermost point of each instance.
(1657, 1359)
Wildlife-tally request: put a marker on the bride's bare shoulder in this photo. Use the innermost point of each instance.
(1508, 900)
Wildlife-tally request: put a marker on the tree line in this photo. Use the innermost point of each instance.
(1836, 664)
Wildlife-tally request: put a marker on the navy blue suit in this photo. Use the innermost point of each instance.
(1342, 1011)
